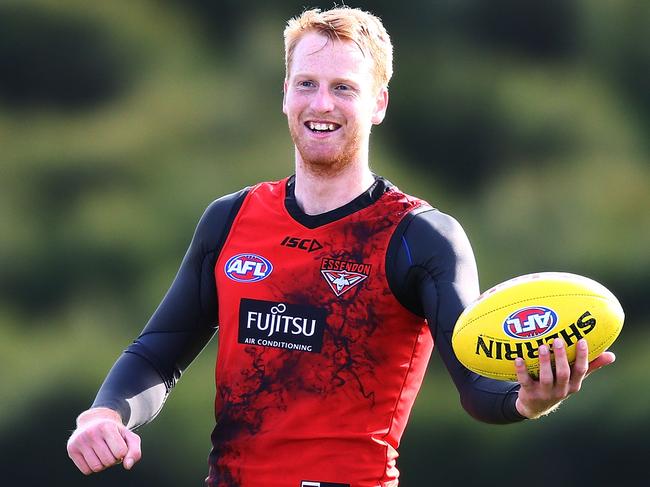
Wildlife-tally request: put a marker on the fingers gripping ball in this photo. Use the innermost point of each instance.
(514, 318)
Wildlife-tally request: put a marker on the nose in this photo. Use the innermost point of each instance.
(322, 101)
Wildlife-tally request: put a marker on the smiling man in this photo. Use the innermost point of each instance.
(328, 289)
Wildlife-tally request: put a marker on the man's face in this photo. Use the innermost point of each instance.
(331, 102)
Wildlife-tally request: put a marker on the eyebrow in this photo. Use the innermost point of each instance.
(349, 81)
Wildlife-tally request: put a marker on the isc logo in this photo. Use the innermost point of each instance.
(307, 244)
(248, 268)
(530, 322)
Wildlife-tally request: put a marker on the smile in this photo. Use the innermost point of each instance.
(322, 126)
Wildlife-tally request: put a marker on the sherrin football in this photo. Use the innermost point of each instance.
(514, 318)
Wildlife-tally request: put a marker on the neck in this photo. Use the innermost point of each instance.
(318, 191)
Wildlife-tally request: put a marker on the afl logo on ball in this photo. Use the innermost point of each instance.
(248, 268)
(530, 322)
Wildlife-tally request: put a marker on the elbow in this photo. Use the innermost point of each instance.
(477, 413)
(491, 409)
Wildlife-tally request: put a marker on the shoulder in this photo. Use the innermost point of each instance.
(217, 219)
(421, 216)
(430, 241)
(430, 264)
(431, 223)
(225, 204)
(425, 224)
(224, 209)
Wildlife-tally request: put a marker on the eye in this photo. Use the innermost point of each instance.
(345, 90)
(305, 84)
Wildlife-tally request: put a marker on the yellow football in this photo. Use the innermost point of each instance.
(514, 318)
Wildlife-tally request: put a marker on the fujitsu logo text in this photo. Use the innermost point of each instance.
(286, 326)
(276, 322)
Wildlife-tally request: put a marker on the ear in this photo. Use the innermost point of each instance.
(381, 104)
(284, 97)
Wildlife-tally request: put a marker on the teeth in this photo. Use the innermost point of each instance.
(322, 126)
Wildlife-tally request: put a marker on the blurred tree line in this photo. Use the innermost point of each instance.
(120, 121)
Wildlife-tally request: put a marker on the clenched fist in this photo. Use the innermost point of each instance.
(101, 440)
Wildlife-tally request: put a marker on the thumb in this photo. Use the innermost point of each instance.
(133, 453)
(605, 358)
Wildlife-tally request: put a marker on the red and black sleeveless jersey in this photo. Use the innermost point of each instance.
(318, 363)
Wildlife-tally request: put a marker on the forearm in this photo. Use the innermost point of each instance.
(134, 389)
(492, 401)
(487, 400)
(98, 413)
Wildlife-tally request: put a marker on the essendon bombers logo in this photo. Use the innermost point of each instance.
(341, 276)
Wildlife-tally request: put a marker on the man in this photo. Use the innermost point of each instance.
(329, 288)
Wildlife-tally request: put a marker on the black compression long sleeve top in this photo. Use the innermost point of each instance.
(430, 268)
(184, 322)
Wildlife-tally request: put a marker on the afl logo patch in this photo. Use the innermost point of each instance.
(248, 268)
(530, 322)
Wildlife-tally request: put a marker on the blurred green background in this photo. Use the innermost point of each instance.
(121, 120)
